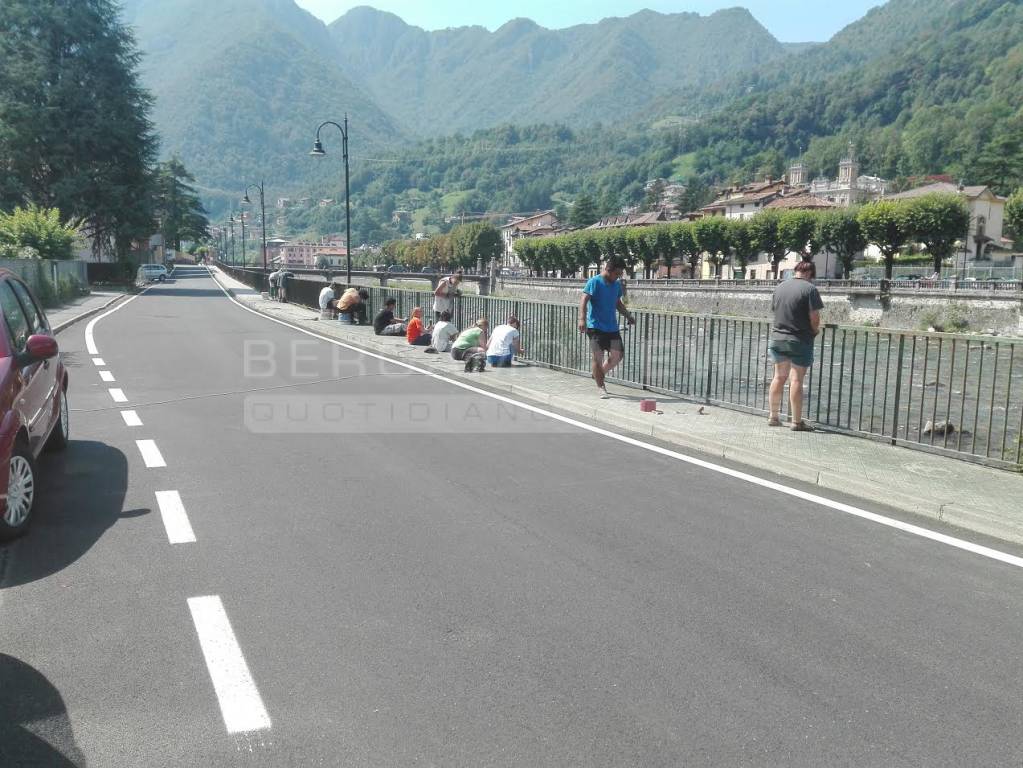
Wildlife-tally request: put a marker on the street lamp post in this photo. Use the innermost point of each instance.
(245, 255)
(318, 152)
(230, 223)
(262, 213)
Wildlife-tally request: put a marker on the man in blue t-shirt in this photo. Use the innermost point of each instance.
(598, 319)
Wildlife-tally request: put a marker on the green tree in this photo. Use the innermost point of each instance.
(684, 244)
(741, 244)
(475, 241)
(640, 248)
(766, 230)
(74, 121)
(1014, 215)
(938, 221)
(798, 232)
(711, 234)
(886, 225)
(839, 232)
(35, 230)
(658, 240)
(177, 205)
(584, 212)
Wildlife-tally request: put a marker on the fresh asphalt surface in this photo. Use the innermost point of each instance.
(485, 591)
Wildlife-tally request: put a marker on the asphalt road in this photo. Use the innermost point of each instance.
(413, 574)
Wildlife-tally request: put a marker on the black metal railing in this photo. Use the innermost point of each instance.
(954, 394)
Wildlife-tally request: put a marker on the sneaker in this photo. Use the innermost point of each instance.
(603, 393)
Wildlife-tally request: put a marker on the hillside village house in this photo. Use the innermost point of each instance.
(631, 220)
(305, 254)
(542, 224)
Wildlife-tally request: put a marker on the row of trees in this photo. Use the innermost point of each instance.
(76, 141)
(462, 247)
(935, 221)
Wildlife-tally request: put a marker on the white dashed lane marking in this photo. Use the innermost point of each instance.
(98, 362)
(107, 376)
(150, 454)
(118, 395)
(175, 519)
(131, 418)
(240, 703)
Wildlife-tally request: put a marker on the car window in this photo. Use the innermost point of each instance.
(36, 319)
(17, 324)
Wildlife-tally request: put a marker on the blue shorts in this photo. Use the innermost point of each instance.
(499, 361)
(799, 353)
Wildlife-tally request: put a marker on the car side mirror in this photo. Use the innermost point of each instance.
(38, 348)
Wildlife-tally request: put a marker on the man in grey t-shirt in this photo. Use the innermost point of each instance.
(797, 319)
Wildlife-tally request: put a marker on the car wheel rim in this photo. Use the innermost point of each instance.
(20, 491)
(63, 416)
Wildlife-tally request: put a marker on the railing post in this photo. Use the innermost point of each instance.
(898, 389)
(646, 351)
(710, 359)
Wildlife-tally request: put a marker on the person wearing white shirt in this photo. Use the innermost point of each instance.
(505, 343)
(444, 332)
(328, 298)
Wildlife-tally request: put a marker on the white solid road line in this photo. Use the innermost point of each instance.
(131, 419)
(239, 699)
(175, 519)
(107, 376)
(118, 395)
(90, 341)
(150, 454)
(98, 362)
(890, 522)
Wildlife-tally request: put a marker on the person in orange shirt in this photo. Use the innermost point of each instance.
(416, 334)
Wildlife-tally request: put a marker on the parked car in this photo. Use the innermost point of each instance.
(428, 271)
(33, 400)
(396, 268)
(149, 273)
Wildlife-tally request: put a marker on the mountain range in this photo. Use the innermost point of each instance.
(441, 121)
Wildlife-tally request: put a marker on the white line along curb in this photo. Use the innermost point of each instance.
(838, 506)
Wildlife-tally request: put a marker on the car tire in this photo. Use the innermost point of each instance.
(60, 435)
(21, 489)
(161, 278)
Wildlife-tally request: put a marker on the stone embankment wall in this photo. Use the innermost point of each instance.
(902, 311)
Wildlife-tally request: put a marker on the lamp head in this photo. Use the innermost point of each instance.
(318, 150)
(245, 200)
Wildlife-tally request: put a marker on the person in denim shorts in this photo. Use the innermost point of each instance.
(797, 320)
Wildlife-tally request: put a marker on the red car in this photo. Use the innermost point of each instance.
(33, 400)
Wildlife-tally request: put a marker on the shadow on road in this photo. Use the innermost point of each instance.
(34, 726)
(80, 495)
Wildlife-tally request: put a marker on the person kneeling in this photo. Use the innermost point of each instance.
(505, 343)
(415, 334)
(386, 324)
(470, 341)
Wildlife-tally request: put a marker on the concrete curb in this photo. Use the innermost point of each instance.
(88, 313)
(952, 513)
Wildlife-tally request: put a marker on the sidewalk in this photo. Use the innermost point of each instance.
(80, 308)
(959, 493)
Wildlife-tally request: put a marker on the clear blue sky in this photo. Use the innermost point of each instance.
(787, 20)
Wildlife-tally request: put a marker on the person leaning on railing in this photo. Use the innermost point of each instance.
(797, 320)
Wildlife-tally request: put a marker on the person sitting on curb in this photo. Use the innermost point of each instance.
(505, 343)
(416, 334)
(444, 332)
(328, 300)
(386, 324)
(797, 320)
(351, 307)
(471, 340)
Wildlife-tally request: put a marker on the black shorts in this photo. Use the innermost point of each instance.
(605, 341)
